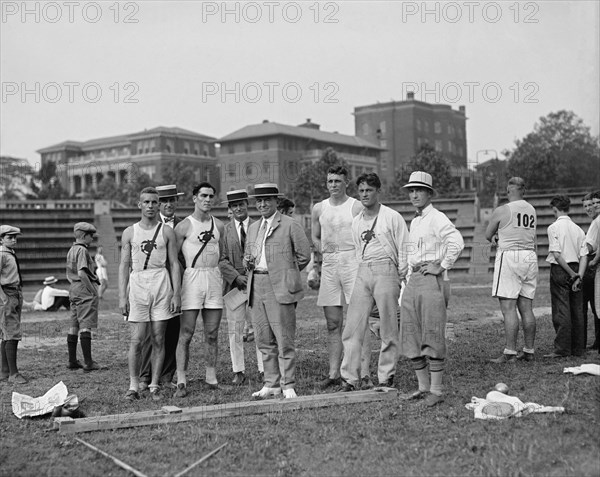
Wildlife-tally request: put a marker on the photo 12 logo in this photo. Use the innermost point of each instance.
(472, 92)
(270, 12)
(470, 12)
(69, 91)
(269, 91)
(69, 12)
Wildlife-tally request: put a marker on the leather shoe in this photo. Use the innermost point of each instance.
(181, 391)
(132, 395)
(366, 383)
(505, 358)
(347, 387)
(289, 393)
(389, 383)
(523, 356)
(18, 379)
(93, 366)
(239, 379)
(75, 365)
(329, 382)
(433, 400)
(554, 355)
(266, 392)
(212, 386)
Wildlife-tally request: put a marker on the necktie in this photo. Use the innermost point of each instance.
(242, 235)
(18, 268)
(259, 241)
(169, 219)
(418, 213)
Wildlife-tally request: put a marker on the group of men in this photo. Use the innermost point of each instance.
(573, 258)
(173, 271)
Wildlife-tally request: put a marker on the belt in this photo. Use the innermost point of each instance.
(261, 272)
(11, 287)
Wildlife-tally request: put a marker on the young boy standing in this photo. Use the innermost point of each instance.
(11, 302)
(83, 295)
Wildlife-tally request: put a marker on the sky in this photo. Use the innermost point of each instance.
(84, 70)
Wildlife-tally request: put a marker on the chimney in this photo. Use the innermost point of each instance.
(462, 109)
(310, 125)
(265, 121)
(410, 95)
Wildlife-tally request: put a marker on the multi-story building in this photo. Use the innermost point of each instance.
(82, 165)
(403, 127)
(273, 152)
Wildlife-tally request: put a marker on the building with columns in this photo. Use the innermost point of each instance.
(81, 166)
(273, 152)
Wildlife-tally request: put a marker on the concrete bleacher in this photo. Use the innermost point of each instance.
(47, 229)
(545, 217)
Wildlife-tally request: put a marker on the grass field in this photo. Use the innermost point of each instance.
(390, 438)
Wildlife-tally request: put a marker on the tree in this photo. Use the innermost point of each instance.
(51, 188)
(426, 160)
(15, 179)
(183, 176)
(311, 186)
(560, 152)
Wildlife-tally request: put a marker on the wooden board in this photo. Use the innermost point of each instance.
(173, 414)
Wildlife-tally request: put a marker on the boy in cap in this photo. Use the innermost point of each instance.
(83, 295)
(11, 302)
(433, 246)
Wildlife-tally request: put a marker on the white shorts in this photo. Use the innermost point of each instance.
(101, 273)
(515, 274)
(202, 288)
(338, 273)
(150, 294)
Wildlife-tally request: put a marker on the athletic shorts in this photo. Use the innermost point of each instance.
(202, 288)
(10, 314)
(150, 294)
(515, 274)
(101, 273)
(84, 307)
(338, 273)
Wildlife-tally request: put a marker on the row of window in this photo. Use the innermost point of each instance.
(422, 125)
(438, 146)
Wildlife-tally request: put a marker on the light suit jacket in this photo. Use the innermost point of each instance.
(287, 252)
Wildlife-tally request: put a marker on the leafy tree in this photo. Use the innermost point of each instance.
(494, 179)
(311, 186)
(51, 188)
(183, 176)
(560, 152)
(15, 179)
(426, 160)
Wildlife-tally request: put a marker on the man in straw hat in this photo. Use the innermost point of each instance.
(168, 198)
(236, 276)
(53, 299)
(434, 244)
(11, 302)
(512, 228)
(83, 295)
(277, 249)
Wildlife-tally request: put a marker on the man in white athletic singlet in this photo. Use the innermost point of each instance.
(149, 287)
(198, 237)
(512, 229)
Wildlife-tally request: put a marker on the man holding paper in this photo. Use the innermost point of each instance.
(235, 280)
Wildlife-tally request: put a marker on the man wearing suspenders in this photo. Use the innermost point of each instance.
(512, 229)
(149, 287)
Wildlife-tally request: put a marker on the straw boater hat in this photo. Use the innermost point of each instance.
(266, 190)
(420, 179)
(50, 280)
(166, 191)
(235, 195)
(9, 230)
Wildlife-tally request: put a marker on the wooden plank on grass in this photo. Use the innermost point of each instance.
(166, 416)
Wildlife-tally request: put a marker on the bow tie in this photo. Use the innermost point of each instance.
(418, 213)
(169, 219)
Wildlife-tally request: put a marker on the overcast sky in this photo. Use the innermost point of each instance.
(83, 70)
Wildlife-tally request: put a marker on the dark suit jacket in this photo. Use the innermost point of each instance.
(287, 251)
(231, 260)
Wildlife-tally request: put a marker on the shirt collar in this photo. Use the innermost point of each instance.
(426, 210)
(563, 217)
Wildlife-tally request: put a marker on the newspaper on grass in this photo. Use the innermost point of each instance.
(593, 369)
(235, 298)
(27, 406)
(497, 406)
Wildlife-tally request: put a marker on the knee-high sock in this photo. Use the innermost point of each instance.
(11, 356)
(72, 347)
(5, 370)
(420, 366)
(86, 346)
(436, 366)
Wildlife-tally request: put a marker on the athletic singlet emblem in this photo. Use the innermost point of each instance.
(205, 236)
(148, 246)
(367, 236)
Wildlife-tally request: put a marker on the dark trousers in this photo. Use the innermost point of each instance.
(588, 297)
(567, 316)
(170, 363)
(60, 301)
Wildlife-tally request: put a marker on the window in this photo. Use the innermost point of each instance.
(248, 146)
(230, 149)
(427, 127)
(419, 126)
(265, 144)
(153, 145)
(437, 127)
(450, 130)
(186, 147)
(438, 145)
(382, 127)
